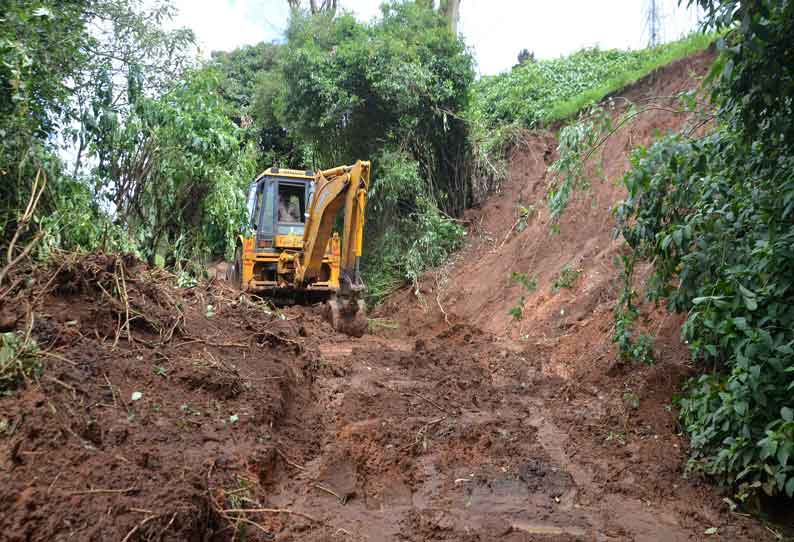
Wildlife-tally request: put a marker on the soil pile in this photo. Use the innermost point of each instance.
(156, 406)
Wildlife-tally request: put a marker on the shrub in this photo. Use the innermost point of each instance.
(566, 278)
(714, 215)
(19, 361)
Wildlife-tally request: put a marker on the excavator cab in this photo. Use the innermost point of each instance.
(290, 253)
(278, 201)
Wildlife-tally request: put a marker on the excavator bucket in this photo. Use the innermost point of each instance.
(347, 315)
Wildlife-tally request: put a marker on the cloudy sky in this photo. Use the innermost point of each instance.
(496, 30)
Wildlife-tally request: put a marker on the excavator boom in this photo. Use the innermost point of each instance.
(342, 187)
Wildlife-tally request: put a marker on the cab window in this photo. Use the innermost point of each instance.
(292, 203)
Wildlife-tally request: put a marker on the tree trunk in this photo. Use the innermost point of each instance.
(452, 13)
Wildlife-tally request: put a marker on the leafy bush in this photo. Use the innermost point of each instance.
(437, 237)
(715, 217)
(715, 214)
(399, 82)
(566, 278)
(517, 310)
(19, 361)
(530, 284)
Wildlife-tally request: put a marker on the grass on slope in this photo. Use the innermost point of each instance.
(541, 93)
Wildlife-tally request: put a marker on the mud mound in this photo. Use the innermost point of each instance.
(157, 407)
(136, 296)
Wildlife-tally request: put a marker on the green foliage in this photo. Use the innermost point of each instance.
(517, 311)
(530, 284)
(397, 83)
(33, 98)
(19, 361)
(391, 91)
(178, 171)
(436, 238)
(251, 83)
(715, 217)
(566, 278)
(576, 142)
(543, 92)
(165, 159)
(630, 348)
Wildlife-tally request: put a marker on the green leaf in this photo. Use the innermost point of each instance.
(783, 454)
(790, 487)
(704, 299)
(787, 414)
(749, 298)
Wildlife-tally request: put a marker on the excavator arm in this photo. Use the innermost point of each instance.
(343, 187)
(337, 188)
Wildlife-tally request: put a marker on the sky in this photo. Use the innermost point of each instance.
(495, 30)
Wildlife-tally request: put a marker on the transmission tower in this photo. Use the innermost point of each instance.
(653, 22)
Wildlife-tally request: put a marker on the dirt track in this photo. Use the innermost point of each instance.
(458, 425)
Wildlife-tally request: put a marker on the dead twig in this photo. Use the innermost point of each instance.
(135, 529)
(47, 286)
(421, 433)
(58, 357)
(212, 343)
(438, 301)
(60, 383)
(321, 487)
(39, 184)
(515, 224)
(287, 460)
(35, 194)
(112, 391)
(52, 485)
(273, 511)
(422, 397)
(22, 254)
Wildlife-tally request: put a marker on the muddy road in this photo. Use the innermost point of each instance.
(460, 436)
(253, 424)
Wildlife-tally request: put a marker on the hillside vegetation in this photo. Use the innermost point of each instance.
(539, 93)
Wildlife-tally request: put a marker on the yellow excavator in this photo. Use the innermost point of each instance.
(292, 254)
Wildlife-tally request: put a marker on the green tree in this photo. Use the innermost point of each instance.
(391, 90)
(252, 83)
